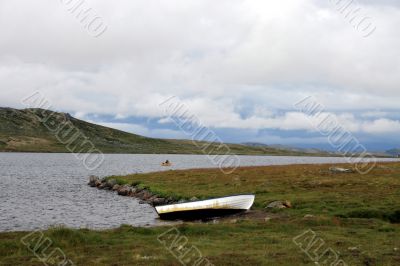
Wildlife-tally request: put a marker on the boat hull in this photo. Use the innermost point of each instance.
(206, 209)
(199, 214)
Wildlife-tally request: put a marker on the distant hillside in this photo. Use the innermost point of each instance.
(287, 148)
(394, 152)
(24, 131)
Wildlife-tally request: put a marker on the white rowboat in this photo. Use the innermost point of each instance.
(206, 208)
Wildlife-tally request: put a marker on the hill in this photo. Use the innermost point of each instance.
(38, 130)
(286, 148)
(394, 152)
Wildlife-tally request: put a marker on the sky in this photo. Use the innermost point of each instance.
(239, 66)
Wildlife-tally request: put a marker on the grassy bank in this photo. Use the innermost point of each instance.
(311, 188)
(355, 215)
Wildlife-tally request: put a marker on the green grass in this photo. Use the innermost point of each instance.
(355, 215)
(240, 243)
(310, 188)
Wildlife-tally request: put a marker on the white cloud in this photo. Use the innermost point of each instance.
(382, 126)
(145, 131)
(219, 57)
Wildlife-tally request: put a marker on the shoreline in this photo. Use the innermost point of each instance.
(135, 186)
(133, 190)
(344, 209)
(196, 154)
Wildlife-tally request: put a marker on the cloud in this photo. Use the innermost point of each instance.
(236, 63)
(382, 126)
(145, 130)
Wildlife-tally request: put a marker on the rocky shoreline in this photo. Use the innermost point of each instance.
(144, 195)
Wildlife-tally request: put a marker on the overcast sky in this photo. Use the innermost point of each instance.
(239, 65)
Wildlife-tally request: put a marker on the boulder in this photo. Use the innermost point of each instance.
(124, 190)
(138, 194)
(340, 170)
(97, 183)
(115, 187)
(132, 192)
(111, 183)
(152, 198)
(278, 204)
(158, 201)
(92, 180)
(146, 195)
(103, 185)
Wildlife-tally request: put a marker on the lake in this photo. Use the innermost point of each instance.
(41, 190)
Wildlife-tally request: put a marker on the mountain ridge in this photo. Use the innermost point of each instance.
(30, 130)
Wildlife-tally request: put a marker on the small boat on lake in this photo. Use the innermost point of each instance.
(204, 209)
(166, 163)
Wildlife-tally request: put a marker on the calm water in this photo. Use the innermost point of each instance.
(41, 190)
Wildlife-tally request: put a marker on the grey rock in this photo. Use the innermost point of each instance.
(103, 185)
(340, 170)
(139, 194)
(92, 180)
(152, 198)
(131, 192)
(124, 190)
(146, 195)
(279, 204)
(158, 201)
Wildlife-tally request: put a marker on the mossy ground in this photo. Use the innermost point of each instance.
(354, 214)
